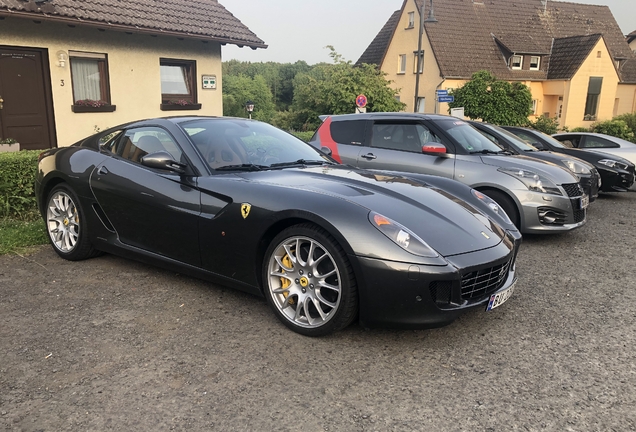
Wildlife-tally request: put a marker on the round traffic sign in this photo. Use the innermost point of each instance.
(361, 101)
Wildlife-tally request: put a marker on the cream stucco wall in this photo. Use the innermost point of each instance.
(575, 98)
(626, 95)
(405, 42)
(133, 63)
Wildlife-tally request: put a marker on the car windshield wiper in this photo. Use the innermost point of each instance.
(242, 167)
(300, 162)
(491, 152)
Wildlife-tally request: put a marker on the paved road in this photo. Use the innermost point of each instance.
(109, 344)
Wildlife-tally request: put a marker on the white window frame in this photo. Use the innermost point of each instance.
(421, 105)
(538, 63)
(421, 62)
(535, 104)
(401, 64)
(512, 62)
(411, 20)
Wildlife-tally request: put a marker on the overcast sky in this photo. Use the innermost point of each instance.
(300, 29)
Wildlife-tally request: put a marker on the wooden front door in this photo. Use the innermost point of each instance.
(26, 110)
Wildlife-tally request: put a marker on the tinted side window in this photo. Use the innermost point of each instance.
(137, 143)
(597, 142)
(401, 136)
(348, 132)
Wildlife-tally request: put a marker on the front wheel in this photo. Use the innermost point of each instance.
(66, 225)
(507, 204)
(309, 282)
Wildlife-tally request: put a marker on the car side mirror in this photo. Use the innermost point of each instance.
(434, 148)
(164, 161)
(326, 150)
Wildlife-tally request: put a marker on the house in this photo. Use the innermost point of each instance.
(574, 57)
(631, 40)
(70, 68)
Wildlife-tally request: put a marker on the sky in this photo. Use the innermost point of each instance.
(301, 29)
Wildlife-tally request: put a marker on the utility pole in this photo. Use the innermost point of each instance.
(430, 19)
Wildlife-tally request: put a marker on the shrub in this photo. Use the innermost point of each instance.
(630, 119)
(305, 136)
(615, 128)
(546, 125)
(17, 184)
(580, 129)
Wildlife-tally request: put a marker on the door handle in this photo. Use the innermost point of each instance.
(102, 170)
(1, 102)
(369, 156)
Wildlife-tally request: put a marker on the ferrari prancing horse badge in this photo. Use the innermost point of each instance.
(245, 210)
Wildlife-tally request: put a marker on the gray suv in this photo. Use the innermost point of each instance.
(539, 197)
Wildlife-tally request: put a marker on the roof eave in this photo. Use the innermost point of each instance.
(121, 27)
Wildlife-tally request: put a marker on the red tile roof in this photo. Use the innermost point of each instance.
(201, 19)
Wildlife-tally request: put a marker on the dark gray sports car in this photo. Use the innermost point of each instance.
(242, 203)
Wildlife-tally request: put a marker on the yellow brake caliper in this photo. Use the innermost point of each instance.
(285, 283)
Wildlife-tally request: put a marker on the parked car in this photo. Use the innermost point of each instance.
(586, 173)
(617, 173)
(242, 203)
(597, 142)
(538, 197)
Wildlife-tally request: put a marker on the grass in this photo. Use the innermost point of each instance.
(17, 236)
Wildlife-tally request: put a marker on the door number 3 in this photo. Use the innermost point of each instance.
(62, 83)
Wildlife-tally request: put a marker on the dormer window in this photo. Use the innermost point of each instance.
(411, 20)
(516, 62)
(535, 62)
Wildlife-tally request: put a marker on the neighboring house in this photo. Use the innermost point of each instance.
(631, 40)
(69, 68)
(574, 57)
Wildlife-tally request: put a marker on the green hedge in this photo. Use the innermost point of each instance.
(305, 136)
(17, 179)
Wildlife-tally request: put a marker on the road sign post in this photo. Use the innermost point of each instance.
(361, 104)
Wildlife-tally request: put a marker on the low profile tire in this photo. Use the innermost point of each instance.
(66, 225)
(308, 281)
(507, 204)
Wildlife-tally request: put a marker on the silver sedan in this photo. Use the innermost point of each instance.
(599, 143)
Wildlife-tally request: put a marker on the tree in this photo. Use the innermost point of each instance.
(237, 90)
(492, 100)
(333, 88)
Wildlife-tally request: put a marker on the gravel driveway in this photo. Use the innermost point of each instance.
(110, 344)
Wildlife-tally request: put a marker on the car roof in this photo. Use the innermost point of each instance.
(388, 116)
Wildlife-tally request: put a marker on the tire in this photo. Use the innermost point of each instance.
(312, 295)
(507, 204)
(66, 225)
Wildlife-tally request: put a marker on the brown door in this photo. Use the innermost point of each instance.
(26, 109)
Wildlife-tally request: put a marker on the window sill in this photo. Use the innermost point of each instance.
(401, 73)
(175, 107)
(90, 109)
(409, 27)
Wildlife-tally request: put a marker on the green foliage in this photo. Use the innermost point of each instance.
(17, 182)
(18, 235)
(333, 88)
(629, 119)
(615, 128)
(237, 90)
(546, 125)
(580, 129)
(7, 141)
(492, 100)
(305, 136)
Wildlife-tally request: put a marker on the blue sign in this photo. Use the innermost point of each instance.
(442, 93)
(447, 99)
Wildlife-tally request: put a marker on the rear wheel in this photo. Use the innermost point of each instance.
(507, 204)
(309, 282)
(66, 225)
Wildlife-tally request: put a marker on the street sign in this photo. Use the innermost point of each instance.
(447, 99)
(441, 93)
(361, 101)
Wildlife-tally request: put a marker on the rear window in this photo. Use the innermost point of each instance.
(348, 132)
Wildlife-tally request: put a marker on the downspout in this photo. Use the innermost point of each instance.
(436, 98)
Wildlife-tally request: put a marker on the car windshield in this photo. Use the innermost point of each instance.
(552, 141)
(520, 144)
(228, 144)
(469, 138)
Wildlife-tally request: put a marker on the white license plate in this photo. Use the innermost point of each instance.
(500, 298)
(585, 201)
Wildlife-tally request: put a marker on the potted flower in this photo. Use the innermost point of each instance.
(9, 145)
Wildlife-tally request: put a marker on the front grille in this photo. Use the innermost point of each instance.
(485, 281)
(579, 216)
(441, 291)
(573, 190)
(550, 216)
(590, 184)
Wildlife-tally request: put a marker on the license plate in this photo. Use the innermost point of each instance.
(500, 298)
(585, 201)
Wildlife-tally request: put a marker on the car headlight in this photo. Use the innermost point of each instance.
(614, 164)
(493, 205)
(532, 180)
(402, 236)
(576, 167)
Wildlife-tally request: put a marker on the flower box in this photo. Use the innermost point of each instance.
(6, 148)
(87, 109)
(178, 107)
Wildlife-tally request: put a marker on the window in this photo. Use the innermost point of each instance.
(516, 62)
(593, 92)
(402, 64)
(178, 85)
(421, 58)
(597, 142)
(401, 136)
(411, 20)
(139, 142)
(535, 104)
(348, 132)
(89, 77)
(421, 104)
(535, 62)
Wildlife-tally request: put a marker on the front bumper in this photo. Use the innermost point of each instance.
(615, 180)
(405, 295)
(546, 213)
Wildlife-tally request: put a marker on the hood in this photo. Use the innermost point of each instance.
(552, 171)
(446, 223)
(557, 158)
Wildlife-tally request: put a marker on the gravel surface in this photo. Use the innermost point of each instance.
(111, 344)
